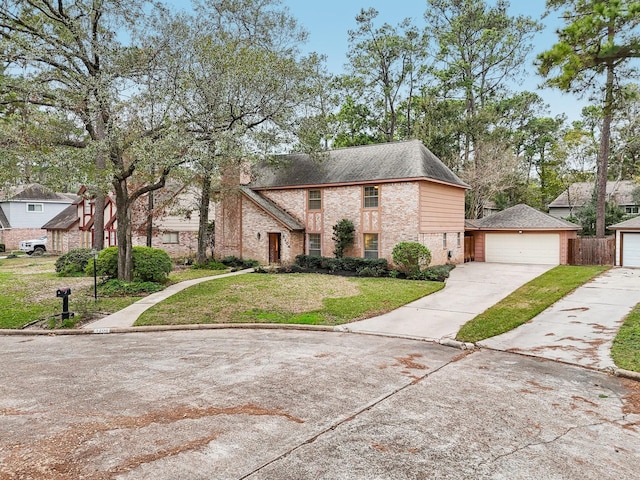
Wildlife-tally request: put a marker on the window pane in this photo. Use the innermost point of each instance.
(170, 237)
(315, 244)
(315, 200)
(371, 197)
(444, 240)
(34, 207)
(370, 245)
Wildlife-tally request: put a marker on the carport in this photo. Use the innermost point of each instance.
(521, 234)
(627, 242)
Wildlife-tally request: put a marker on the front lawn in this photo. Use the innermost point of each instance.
(286, 298)
(625, 351)
(527, 302)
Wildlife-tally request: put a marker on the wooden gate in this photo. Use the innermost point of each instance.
(469, 249)
(592, 251)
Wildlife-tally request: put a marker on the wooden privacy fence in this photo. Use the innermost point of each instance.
(592, 251)
(469, 249)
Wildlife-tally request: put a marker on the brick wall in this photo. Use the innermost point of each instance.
(12, 237)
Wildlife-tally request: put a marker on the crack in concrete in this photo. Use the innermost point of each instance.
(353, 416)
(535, 444)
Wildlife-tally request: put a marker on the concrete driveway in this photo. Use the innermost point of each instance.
(579, 328)
(470, 290)
(273, 404)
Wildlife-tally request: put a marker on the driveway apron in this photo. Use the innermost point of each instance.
(580, 328)
(470, 290)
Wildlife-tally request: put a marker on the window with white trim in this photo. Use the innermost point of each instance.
(315, 200)
(315, 244)
(459, 240)
(631, 209)
(444, 241)
(170, 237)
(35, 207)
(371, 245)
(370, 197)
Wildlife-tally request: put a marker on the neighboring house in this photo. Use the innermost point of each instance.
(175, 229)
(392, 192)
(24, 209)
(581, 193)
(627, 242)
(521, 234)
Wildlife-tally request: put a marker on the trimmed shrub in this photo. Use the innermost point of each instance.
(3, 248)
(209, 265)
(151, 264)
(106, 264)
(438, 273)
(239, 263)
(343, 236)
(364, 267)
(74, 262)
(411, 257)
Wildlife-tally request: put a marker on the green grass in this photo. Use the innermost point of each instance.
(625, 351)
(527, 302)
(180, 275)
(286, 298)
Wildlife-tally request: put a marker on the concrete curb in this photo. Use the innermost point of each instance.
(628, 374)
(165, 328)
(450, 342)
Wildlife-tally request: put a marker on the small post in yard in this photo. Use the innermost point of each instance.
(64, 294)
(95, 276)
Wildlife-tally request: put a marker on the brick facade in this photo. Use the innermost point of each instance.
(398, 217)
(13, 236)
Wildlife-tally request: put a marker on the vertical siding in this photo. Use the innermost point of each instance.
(479, 246)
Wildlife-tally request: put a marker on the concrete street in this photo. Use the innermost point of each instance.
(275, 404)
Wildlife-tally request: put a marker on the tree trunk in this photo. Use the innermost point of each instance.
(204, 219)
(99, 202)
(603, 155)
(123, 212)
(150, 221)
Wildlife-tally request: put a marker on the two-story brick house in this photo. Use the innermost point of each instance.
(392, 192)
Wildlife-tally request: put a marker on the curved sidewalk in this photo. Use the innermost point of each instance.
(127, 316)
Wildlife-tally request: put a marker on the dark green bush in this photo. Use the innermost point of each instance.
(438, 273)
(411, 257)
(115, 288)
(3, 248)
(343, 236)
(239, 263)
(373, 267)
(209, 265)
(151, 264)
(74, 262)
(106, 264)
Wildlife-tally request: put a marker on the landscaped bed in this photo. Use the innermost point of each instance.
(294, 298)
(527, 302)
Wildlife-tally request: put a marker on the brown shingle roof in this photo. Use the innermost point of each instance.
(271, 208)
(35, 191)
(65, 219)
(368, 163)
(580, 193)
(523, 217)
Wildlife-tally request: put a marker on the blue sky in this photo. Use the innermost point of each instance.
(328, 21)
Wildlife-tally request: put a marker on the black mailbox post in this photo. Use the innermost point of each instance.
(64, 294)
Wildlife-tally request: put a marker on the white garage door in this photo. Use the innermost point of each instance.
(532, 248)
(631, 249)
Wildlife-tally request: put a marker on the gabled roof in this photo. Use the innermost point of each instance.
(580, 193)
(4, 221)
(272, 209)
(631, 224)
(362, 164)
(37, 192)
(523, 217)
(64, 220)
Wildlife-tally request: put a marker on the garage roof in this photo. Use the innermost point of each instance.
(631, 224)
(523, 217)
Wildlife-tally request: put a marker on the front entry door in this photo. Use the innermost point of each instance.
(274, 248)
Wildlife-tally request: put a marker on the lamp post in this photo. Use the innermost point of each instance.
(95, 276)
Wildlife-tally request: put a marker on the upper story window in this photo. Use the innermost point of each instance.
(35, 207)
(315, 200)
(371, 196)
(87, 207)
(631, 209)
(170, 237)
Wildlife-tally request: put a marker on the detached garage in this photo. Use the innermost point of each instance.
(627, 242)
(521, 234)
